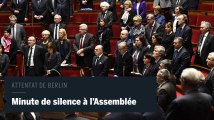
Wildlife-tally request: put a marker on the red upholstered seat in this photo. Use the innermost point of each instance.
(201, 18)
(12, 70)
(210, 18)
(116, 30)
(193, 57)
(192, 19)
(205, 7)
(195, 35)
(20, 62)
(113, 44)
(69, 71)
(34, 30)
(149, 6)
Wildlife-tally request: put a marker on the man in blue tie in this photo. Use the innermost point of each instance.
(185, 32)
(181, 58)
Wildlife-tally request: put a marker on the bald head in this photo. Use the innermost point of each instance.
(124, 34)
(98, 50)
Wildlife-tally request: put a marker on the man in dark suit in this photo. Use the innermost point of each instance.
(39, 9)
(166, 92)
(100, 63)
(83, 47)
(123, 116)
(20, 9)
(112, 8)
(64, 8)
(181, 58)
(209, 80)
(54, 27)
(106, 14)
(183, 3)
(158, 54)
(185, 32)
(194, 105)
(34, 56)
(86, 4)
(18, 32)
(152, 27)
(204, 44)
(123, 61)
(51, 7)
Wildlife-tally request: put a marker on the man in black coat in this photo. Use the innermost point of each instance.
(83, 47)
(123, 61)
(34, 56)
(20, 9)
(54, 27)
(185, 32)
(209, 80)
(166, 92)
(152, 27)
(205, 44)
(100, 63)
(181, 58)
(64, 8)
(194, 105)
(40, 10)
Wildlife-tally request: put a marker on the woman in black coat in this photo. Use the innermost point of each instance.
(104, 35)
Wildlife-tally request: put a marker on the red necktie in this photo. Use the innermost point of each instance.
(80, 45)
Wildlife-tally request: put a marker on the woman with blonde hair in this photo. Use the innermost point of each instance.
(63, 46)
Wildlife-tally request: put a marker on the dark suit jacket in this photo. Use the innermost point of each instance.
(20, 35)
(183, 3)
(88, 47)
(22, 7)
(4, 62)
(123, 116)
(181, 62)
(50, 6)
(129, 22)
(193, 4)
(38, 58)
(123, 64)
(148, 71)
(51, 28)
(192, 106)
(166, 93)
(108, 17)
(167, 42)
(101, 67)
(209, 83)
(40, 9)
(143, 51)
(64, 8)
(142, 9)
(65, 50)
(186, 34)
(157, 28)
(106, 34)
(207, 48)
(89, 4)
(155, 67)
(52, 62)
(112, 8)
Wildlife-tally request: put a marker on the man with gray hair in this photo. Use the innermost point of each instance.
(181, 58)
(152, 27)
(105, 14)
(194, 105)
(209, 80)
(158, 54)
(166, 89)
(205, 44)
(83, 47)
(123, 62)
(54, 27)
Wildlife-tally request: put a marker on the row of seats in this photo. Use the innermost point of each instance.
(206, 6)
(195, 18)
